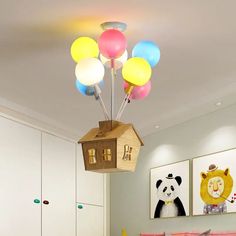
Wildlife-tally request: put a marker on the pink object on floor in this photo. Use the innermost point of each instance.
(211, 234)
(223, 234)
(194, 234)
(185, 234)
(152, 234)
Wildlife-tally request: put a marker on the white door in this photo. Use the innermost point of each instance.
(58, 181)
(89, 220)
(20, 179)
(90, 185)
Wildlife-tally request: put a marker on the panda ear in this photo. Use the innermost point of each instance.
(158, 183)
(178, 180)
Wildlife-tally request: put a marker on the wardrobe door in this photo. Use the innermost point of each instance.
(20, 179)
(58, 181)
(90, 185)
(89, 220)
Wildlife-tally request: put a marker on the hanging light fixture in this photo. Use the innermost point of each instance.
(113, 146)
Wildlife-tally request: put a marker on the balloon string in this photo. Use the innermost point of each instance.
(123, 108)
(98, 97)
(112, 88)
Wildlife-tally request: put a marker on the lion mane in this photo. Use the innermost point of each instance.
(228, 185)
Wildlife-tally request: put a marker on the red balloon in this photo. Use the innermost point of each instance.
(139, 92)
(112, 43)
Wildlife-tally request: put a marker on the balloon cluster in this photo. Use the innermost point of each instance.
(111, 45)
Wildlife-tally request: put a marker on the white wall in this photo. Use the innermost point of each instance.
(130, 191)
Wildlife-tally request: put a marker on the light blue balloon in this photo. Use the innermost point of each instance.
(147, 50)
(86, 90)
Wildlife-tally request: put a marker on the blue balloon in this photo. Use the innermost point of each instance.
(86, 90)
(147, 50)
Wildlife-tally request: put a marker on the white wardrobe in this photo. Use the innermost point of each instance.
(44, 190)
(90, 200)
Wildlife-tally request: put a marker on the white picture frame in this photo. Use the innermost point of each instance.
(206, 193)
(167, 201)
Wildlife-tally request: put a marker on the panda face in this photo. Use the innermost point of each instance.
(168, 189)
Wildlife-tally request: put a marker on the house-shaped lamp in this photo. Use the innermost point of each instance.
(113, 147)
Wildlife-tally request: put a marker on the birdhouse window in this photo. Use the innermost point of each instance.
(107, 154)
(92, 156)
(127, 153)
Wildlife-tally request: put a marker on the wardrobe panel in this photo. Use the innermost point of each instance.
(20, 179)
(58, 181)
(90, 185)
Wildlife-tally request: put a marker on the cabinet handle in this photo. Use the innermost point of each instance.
(45, 202)
(80, 206)
(37, 201)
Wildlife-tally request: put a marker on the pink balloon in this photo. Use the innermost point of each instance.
(112, 43)
(139, 92)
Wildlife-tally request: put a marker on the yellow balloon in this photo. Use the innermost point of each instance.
(137, 71)
(84, 47)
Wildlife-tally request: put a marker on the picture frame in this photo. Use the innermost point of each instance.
(214, 183)
(169, 190)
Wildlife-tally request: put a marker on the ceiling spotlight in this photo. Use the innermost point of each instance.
(218, 104)
(157, 126)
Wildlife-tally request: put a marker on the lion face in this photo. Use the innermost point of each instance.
(216, 186)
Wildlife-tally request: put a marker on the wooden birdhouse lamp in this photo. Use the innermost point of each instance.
(113, 146)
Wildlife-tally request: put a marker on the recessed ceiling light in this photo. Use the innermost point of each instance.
(218, 104)
(157, 126)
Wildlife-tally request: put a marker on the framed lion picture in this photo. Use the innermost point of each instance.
(169, 190)
(214, 183)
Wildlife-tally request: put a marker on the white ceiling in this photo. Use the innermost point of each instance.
(197, 39)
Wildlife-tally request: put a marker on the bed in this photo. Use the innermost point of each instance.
(206, 233)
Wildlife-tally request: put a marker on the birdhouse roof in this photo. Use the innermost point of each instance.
(117, 131)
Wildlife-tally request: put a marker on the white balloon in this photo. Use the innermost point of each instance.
(89, 71)
(118, 61)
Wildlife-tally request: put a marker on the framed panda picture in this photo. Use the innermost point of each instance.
(169, 190)
(214, 183)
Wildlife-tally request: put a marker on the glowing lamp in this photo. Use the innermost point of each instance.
(89, 71)
(113, 146)
(147, 50)
(84, 47)
(112, 43)
(137, 71)
(83, 89)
